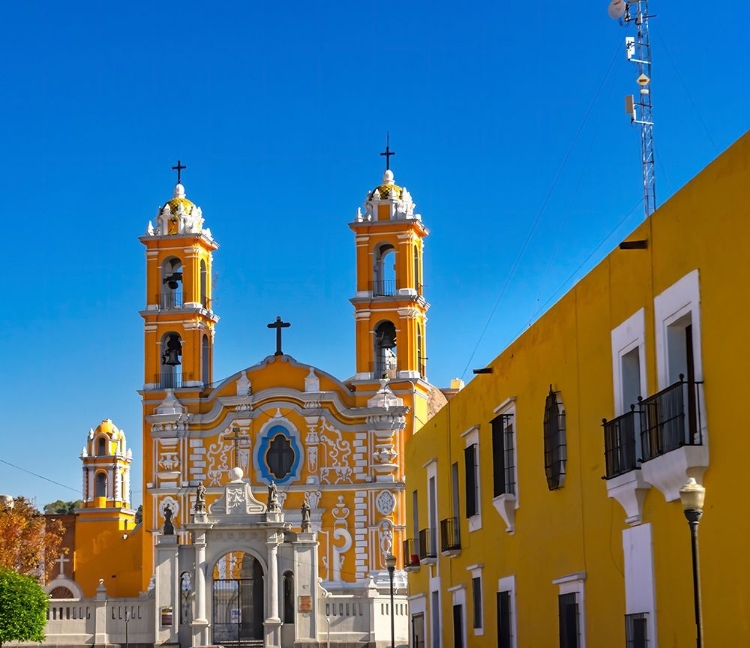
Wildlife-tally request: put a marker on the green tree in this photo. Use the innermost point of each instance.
(23, 608)
(62, 508)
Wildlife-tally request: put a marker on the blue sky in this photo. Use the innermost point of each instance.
(500, 114)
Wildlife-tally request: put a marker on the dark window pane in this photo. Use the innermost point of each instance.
(471, 480)
(476, 590)
(504, 635)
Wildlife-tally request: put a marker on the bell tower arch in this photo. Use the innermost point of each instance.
(389, 305)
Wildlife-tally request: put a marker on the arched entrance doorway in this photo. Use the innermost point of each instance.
(238, 600)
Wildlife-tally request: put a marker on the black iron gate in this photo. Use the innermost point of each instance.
(238, 611)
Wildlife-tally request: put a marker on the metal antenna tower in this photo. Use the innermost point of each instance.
(638, 50)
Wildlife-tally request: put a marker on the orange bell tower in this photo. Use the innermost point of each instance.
(390, 308)
(178, 320)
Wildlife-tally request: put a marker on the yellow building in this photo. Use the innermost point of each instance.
(530, 522)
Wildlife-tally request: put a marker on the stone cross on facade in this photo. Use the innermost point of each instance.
(61, 561)
(236, 438)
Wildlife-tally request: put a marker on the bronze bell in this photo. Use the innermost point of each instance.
(171, 355)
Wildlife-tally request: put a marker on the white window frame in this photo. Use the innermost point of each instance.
(435, 589)
(629, 335)
(508, 584)
(418, 605)
(574, 584)
(433, 525)
(680, 299)
(507, 503)
(471, 437)
(476, 572)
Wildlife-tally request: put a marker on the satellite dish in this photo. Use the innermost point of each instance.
(617, 9)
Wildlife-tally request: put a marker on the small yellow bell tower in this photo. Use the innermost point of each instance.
(390, 309)
(178, 319)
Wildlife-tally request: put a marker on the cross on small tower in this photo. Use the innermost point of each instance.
(278, 325)
(387, 153)
(61, 561)
(179, 167)
(236, 438)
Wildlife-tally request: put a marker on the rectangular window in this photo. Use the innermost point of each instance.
(636, 630)
(415, 512)
(417, 630)
(568, 620)
(504, 628)
(630, 380)
(470, 464)
(435, 618)
(476, 591)
(454, 491)
(458, 626)
(503, 464)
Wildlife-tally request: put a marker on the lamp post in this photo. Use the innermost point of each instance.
(692, 496)
(127, 619)
(390, 562)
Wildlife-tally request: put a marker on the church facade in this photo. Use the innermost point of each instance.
(272, 498)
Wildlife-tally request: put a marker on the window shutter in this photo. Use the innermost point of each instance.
(471, 480)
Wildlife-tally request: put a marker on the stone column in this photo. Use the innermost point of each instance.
(200, 623)
(273, 622)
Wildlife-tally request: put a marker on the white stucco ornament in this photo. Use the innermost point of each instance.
(386, 502)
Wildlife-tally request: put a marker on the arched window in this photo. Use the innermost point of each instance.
(171, 280)
(204, 284)
(100, 485)
(288, 598)
(61, 592)
(386, 361)
(555, 445)
(171, 352)
(421, 364)
(205, 360)
(384, 283)
(417, 273)
(101, 447)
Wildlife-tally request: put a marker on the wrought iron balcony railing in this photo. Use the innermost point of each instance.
(671, 419)
(450, 535)
(383, 288)
(427, 548)
(170, 300)
(620, 454)
(411, 554)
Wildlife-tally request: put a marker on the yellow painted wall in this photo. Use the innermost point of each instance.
(706, 226)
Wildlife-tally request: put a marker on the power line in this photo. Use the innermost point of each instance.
(75, 490)
(542, 208)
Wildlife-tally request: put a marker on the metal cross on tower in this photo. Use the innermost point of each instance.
(278, 325)
(387, 153)
(638, 51)
(179, 167)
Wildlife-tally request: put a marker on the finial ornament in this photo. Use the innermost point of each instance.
(179, 167)
(387, 153)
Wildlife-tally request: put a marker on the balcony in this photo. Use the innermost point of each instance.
(671, 419)
(383, 288)
(450, 537)
(171, 380)
(170, 300)
(620, 454)
(427, 549)
(411, 555)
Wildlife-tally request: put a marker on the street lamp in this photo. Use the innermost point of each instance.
(390, 562)
(127, 620)
(692, 495)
